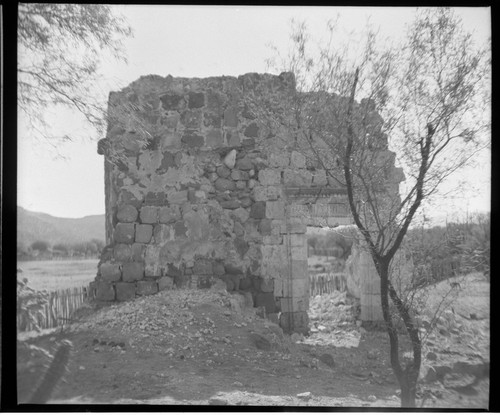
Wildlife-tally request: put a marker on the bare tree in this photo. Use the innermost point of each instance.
(427, 97)
(60, 49)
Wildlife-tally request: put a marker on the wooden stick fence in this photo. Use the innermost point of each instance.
(326, 283)
(58, 310)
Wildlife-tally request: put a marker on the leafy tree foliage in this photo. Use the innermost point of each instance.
(428, 97)
(41, 246)
(60, 50)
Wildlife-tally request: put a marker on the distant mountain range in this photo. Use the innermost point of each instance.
(34, 226)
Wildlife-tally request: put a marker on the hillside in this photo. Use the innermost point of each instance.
(33, 226)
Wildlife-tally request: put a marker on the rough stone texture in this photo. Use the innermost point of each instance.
(122, 252)
(105, 291)
(132, 271)
(258, 210)
(169, 214)
(269, 177)
(125, 291)
(126, 213)
(149, 214)
(146, 287)
(110, 272)
(275, 210)
(143, 233)
(165, 283)
(124, 233)
(203, 267)
(214, 194)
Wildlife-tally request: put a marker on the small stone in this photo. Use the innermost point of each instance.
(239, 384)
(260, 341)
(327, 359)
(431, 356)
(230, 159)
(372, 398)
(223, 172)
(371, 354)
(305, 396)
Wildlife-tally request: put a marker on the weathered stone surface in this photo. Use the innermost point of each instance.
(180, 229)
(128, 198)
(239, 175)
(298, 322)
(161, 233)
(230, 159)
(125, 291)
(124, 233)
(269, 177)
(126, 213)
(230, 117)
(295, 225)
(154, 199)
(173, 271)
(294, 304)
(172, 101)
(176, 173)
(233, 139)
(169, 214)
(104, 291)
(275, 210)
(297, 160)
(230, 204)
(132, 271)
(267, 285)
(223, 171)
(299, 178)
(279, 159)
(196, 99)
(203, 266)
(110, 272)
(122, 252)
(143, 233)
(299, 268)
(165, 283)
(218, 268)
(138, 251)
(245, 202)
(149, 214)
(193, 140)
(319, 178)
(241, 246)
(214, 138)
(191, 119)
(258, 210)
(274, 262)
(245, 164)
(266, 300)
(178, 198)
(146, 287)
(272, 240)
(223, 185)
(252, 130)
(241, 214)
(265, 227)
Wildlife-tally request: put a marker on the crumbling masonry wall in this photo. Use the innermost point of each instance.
(198, 190)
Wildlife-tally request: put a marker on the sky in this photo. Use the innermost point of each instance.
(196, 41)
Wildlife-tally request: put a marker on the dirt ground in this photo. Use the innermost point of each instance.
(206, 347)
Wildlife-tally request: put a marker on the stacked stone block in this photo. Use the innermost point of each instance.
(196, 191)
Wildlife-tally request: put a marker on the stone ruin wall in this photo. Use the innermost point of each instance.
(198, 190)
